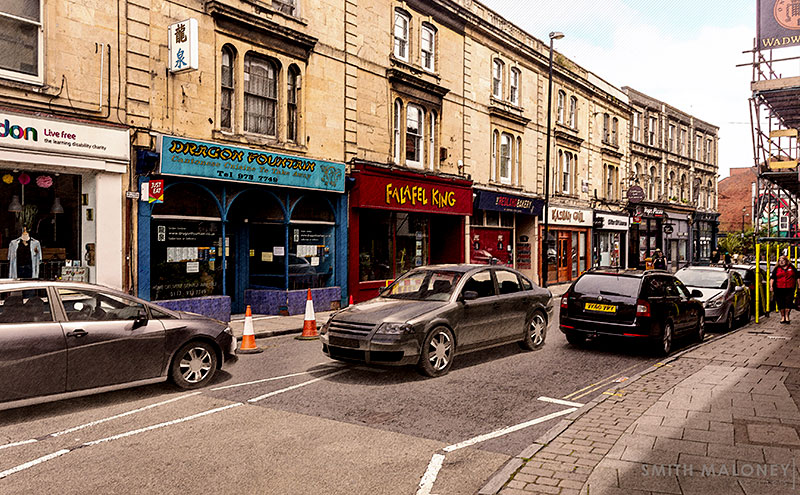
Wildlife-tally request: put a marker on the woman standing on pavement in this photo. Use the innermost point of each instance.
(784, 284)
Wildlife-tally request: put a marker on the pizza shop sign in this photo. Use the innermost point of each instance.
(571, 216)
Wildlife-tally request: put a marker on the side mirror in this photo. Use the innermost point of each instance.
(469, 295)
(140, 320)
(697, 293)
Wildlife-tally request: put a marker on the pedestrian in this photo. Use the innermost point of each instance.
(784, 284)
(728, 261)
(659, 261)
(714, 258)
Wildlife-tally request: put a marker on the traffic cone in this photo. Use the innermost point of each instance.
(310, 321)
(350, 302)
(248, 336)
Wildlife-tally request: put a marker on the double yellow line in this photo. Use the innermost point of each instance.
(597, 385)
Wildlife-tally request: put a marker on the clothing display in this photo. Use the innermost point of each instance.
(24, 257)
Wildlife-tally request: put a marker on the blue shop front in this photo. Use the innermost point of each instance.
(223, 227)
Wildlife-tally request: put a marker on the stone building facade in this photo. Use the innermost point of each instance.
(674, 158)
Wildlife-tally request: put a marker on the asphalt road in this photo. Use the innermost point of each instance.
(309, 424)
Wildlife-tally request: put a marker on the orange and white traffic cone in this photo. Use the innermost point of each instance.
(248, 336)
(309, 322)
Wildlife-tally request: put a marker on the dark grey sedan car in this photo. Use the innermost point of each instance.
(726, 298)
(432, 313)
(60, 340)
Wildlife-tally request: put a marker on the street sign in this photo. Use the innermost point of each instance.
(668, 229)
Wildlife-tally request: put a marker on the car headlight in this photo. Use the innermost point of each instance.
(715, 303)
(395, 329)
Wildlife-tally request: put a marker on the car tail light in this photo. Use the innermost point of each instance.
(564, 301)
(642, 308)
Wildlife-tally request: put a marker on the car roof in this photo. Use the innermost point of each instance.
(706, 268)
(626, 273)
(16, 283)
(460, 267)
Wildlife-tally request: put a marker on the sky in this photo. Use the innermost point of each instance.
(682, 52)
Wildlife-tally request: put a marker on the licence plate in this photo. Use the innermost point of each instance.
(602, 308)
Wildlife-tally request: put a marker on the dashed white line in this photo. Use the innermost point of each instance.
(34, 462)
(426, 483)
(561, 402)
(293, 387)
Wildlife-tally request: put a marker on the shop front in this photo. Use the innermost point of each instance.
(568, 243)
(401, 219)
(223, 227)
(500, 229)
(62, 190)
(646, 234)
(704, 234)
(610, 239)
(676, 239)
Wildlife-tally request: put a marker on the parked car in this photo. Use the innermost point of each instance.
(431, 314)
(648, 305)
(748, 274)
(725, 296)
(60, 340)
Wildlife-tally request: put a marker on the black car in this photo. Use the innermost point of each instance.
(430, 314)
(649, 305)
(60, 340)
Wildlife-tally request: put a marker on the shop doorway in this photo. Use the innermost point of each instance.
(491, 246)
(446, 239)
(564, 256)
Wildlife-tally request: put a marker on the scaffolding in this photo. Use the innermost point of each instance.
(775, 121)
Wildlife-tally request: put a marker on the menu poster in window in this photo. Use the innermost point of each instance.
(278, 251)
(523, 255)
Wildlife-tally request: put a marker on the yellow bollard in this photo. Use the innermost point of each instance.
(777, 255)
(766, 296)
(758, 279)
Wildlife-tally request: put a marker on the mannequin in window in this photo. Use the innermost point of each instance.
(24, 256)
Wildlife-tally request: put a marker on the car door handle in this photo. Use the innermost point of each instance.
(78, 333)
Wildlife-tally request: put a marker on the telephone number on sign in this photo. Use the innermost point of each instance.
(253, 177)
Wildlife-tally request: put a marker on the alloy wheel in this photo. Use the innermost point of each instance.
(538, 329)
(666, 338)
(441, 348)
(196, 364)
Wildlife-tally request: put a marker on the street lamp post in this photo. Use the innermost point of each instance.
(744, 209)
(553, 36)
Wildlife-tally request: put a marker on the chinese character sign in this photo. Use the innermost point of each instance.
(156, 193)
(183, 46)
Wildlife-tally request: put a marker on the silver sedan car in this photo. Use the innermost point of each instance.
(726, 298)
(431, 314)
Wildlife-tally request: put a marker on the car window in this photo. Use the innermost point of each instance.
(481, 283)
(507, 282)
(607, 285)
(526, 284)
(160, 315)
(704, 278)
(84, 305)
(670, 288)
(425, 285)
(654, 287)
(25, 306)
(682, 290)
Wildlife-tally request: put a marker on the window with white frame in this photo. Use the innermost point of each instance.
(432, 140)
(398, 130)
(671, 137)
(606, 128)
(710, 188)
(652, 130)
(495, 142)
(562, 96)
(415, 132)
(517, 170)
(709, 150)
(288, 7)
(611, 176)
(614, 131)
(514, 86)
(506, 152)
(698, 143)
(293, 88)
(401, 23)
(497, 79)
(226, 89)
(566, 174)
(684, 142)
(573, 112)
(21, 50)
(260, 95)
(637, 130)
(428, 47)
(557, 171)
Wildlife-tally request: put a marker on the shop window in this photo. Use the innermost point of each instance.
(260, 95)
(560, 107)
(186, 200)
(226, 88)
(497, 79)
(376, 245)
(293, 89)
(514, 86)
(415, 132)
(492, 218)
(411, 241)
(506, 219)
(21, 45)
(401, 23)
(428, 47)
(506, 151)
(573, 112)
(311, 244)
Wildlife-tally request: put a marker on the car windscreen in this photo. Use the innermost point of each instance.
(706, 279)
(593, 284)
(424, 285)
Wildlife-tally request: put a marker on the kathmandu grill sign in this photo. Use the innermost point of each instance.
(569, 216)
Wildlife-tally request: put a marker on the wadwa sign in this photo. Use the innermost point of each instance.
(778, 23)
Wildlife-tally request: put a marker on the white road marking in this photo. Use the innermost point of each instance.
(293, 387)
(122, 415)
(24, 442)
(32, 463)
(162, 425)
(260, 381)
(561, 402)
(426, 483)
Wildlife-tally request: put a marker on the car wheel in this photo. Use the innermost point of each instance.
(437, 352)
(194, 365)
(729, 321)
(664, 345)
(701, 330)
(576, 339)
(535, 332)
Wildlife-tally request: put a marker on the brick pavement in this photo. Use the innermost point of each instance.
(720, 418)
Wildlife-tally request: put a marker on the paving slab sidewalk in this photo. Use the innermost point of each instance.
(720, 418)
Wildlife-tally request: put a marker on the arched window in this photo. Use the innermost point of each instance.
(293, 87)
(401, 23)
(260, 95)
(683, 187)
(614, 129)
(226, 88)
(497, 79)
(558, 169)
(636, 173)
(606, 127)
(652, 182)
(573, 112)
(710, 188)
(566, 173)
(398, 130)
(671, 185)
(432, 141)
(415, 136)
(562, 96)
(514, 86)
(427, 47)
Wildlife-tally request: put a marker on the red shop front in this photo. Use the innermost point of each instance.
(401, 219)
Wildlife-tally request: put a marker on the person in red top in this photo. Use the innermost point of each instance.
(784, 284)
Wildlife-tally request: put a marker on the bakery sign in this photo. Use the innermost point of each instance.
(571, 216)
